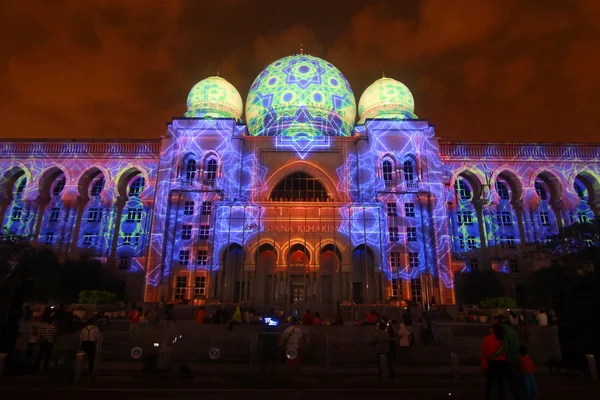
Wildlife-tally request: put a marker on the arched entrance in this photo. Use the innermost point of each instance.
(330, 261)
(234, 286)
(266, 264)
(298, 267)
(363, 277)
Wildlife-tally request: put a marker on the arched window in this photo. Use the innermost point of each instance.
(21, 183)
(541, 191)
(211, 171)
(97, 186)
(581, 190)
(409, 171)
(190, 170)
(299, 186)
(502, 191)
(387, 173)
(136, 187)
(463, 189)
(58, 187)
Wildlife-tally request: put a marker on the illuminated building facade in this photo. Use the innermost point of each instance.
(298, 202)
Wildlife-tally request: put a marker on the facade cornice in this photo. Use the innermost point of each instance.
(456, 151)
(79, 148)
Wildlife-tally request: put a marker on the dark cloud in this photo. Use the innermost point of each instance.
(479, 70)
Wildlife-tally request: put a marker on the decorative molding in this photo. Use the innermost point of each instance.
(520, 151)
(79, 148)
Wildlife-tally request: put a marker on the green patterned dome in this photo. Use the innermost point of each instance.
(300, 95)
(214, 97)
(386, 98)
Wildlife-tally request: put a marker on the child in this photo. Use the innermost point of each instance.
(529, 384)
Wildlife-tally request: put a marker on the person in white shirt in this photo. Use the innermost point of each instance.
(89, 336)
(542, 318)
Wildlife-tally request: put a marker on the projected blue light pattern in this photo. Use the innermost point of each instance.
(189, 213)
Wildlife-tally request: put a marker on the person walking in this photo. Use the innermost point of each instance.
(47, 338)
(89, 336)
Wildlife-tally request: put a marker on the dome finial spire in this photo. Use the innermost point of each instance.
(218, 72)
(383, 74)
(301, 48)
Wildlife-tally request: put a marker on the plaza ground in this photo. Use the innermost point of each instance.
(331, 387)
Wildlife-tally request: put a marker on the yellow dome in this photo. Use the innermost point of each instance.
(214, 97)
(386, 98)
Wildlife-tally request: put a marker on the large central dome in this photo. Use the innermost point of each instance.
(300, 95)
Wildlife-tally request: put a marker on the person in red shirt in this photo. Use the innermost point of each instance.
(371, 318)
(308, 318)
(317, 319)
(134, 315)
(527, 368)
(200, 315)
(493, 361)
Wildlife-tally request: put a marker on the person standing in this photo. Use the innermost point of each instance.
(392, 358)
(404, 337)
(89, 336)
(426, 328)
(34, 334)
(317, 319)
(382, 351)
(134, 315)
(200, 315)
(542, 318)
(292, 340)
(527, 368)
(493, 362)
(308, 318)
(47, 338)
(339, 315)
(511, 345)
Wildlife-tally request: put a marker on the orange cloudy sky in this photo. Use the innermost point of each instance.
(479, 69)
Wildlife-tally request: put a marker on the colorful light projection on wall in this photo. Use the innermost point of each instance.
(75, 206)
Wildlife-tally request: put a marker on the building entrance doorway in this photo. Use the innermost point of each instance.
(298, 291)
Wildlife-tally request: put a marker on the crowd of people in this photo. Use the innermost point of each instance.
(522, 318)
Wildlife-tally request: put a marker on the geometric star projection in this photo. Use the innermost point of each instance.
(300, 95)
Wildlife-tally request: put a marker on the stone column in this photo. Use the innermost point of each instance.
(119, 205)
(65, 227)
(75, 236)
(42, 204)
(480, 223)
(4, 203)
(30, 217)
(518, 207)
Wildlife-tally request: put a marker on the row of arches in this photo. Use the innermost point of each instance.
(88, 218)
(504, 213)
(271, 284)
(52, 181)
